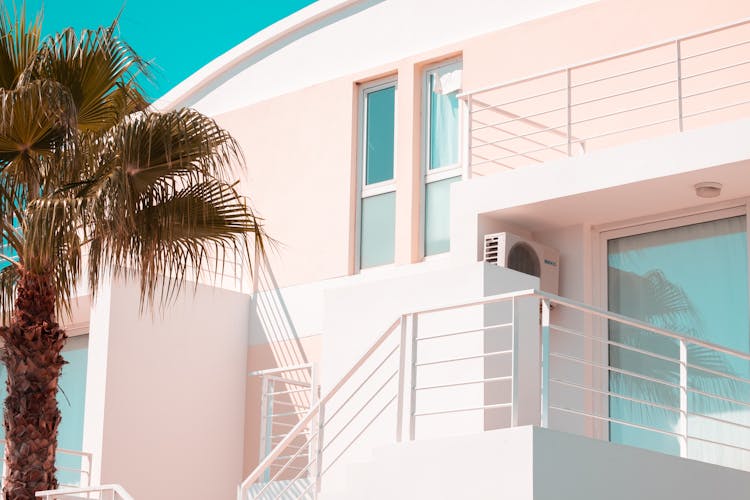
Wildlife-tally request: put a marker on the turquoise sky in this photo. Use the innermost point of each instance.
(178, 37)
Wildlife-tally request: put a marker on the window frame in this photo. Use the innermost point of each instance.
(426, 174)
(365, 190)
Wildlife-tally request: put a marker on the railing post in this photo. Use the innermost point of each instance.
(544, 362)
(264, 434)
(466, 136)
(319, 453)
(401, 368)
(514, 365)
(683, 399)
(679, 85)
(413, 377)
(569, 111)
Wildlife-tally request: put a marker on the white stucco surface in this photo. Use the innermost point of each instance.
(530, 463)
(376, 32)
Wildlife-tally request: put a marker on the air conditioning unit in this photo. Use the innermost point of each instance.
(526, 256)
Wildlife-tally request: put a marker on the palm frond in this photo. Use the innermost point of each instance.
(19, 44)
(99, 69)
(36, 121)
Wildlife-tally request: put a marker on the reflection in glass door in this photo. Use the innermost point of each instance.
(692, 280)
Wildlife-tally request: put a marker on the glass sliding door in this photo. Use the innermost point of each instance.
(692, 280)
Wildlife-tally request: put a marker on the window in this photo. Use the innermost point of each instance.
(689, 275)
(441, 158)
(377, 208)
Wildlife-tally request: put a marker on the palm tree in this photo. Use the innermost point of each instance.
(85, 164)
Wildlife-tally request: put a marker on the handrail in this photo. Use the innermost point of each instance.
(315, 410)
(62, 492)
(553, 98)
(616, 55)
(407, 386)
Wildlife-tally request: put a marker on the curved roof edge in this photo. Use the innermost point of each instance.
(180, 94)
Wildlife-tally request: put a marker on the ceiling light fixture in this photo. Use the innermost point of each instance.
(708, 189)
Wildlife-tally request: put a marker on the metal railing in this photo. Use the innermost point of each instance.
(520, 358)
(287, 394)
(102, 492)
(70, 464)
(679, 84)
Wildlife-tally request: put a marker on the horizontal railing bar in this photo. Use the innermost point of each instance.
(711, 51)
(520, 118)
(616, 344)
(288, 381)
(464, 358)
(284, 424)
(718, 373)
(367, 379)
(614, 369)
(616, 421)
(716, 89)
(578, 122)
(624, 73)
(285, 403)
(459, 410)
(292, 391)
(525, 152)
(716, 70)
(580, 306)
(490, 107)
(525, 136)
(717, 419)
(470, 382)
(617, 395)
(281, 369)
(477, 155)
(718, 108)
(718, 443)
(289, 413)
(716, 396)
(292, 458)
(358, 412)
(622, 131)
(591, 62)
(463, 332)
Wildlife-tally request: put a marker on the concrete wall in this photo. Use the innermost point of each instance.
(530, 463)
(166, 395)
(358, 314)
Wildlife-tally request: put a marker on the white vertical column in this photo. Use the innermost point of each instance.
(544, 362)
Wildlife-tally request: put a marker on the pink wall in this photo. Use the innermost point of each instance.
(300, 147)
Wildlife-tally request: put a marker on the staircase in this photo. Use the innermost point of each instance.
(526, 358)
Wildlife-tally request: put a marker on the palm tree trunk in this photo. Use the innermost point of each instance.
(31, 354)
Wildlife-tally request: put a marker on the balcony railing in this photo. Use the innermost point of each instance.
(679, 84)
(73, 467)
(523, 358)
(103, 492)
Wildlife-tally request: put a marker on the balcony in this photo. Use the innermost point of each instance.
(467, 374)
(681, 84)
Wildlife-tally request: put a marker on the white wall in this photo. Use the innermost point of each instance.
(315, 53)
(530, 463)
(166, 395)
(358, 314)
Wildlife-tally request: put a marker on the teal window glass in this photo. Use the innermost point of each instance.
(692, 280)
(443, 127)
(379, 135)
(71, 401)
(378, 232)
(437, 216)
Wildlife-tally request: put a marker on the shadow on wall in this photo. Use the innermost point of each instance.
(272, 316)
